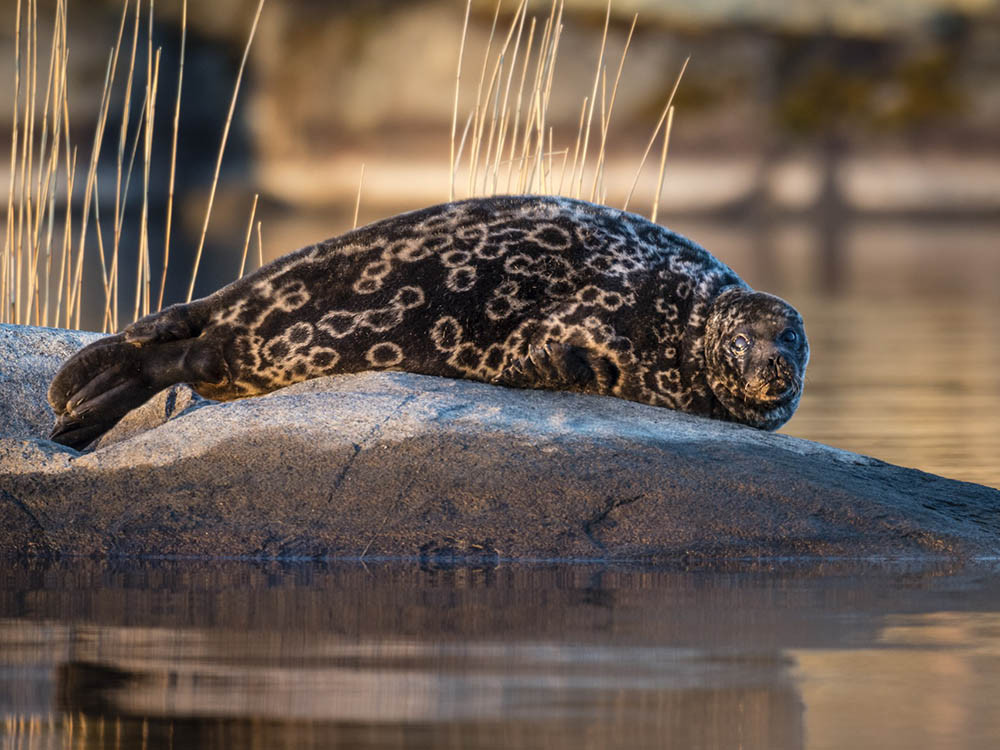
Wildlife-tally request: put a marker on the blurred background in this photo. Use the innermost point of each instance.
(844, 155)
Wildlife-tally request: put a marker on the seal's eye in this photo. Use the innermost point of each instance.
(788, 336)
(740, 343)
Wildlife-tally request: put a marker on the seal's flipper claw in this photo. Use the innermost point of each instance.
(82, 367)
(92, 418)
(560, 366)
(564, 364)
(75, 433)
(104, 381)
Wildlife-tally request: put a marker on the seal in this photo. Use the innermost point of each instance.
(522, 291)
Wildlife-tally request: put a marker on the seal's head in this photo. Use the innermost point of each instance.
(756, 353)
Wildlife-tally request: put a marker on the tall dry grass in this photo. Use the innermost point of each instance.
(506, 145)
(42, 275)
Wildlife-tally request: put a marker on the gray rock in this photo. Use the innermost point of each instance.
(387, 464)
(29, 357)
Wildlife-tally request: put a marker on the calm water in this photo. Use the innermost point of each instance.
(231, 654)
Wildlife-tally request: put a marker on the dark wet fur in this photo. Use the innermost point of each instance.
(520, 291)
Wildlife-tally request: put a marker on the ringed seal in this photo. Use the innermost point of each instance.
(523, 291)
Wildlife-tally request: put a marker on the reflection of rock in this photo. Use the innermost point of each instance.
(400, 464)
(542, 695)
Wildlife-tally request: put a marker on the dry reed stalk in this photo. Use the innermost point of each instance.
(465, 133)
(70, 175)
(145, 130)
(562, 169)
(593, 96)
(120, 219)
(60, 99)
(496, 78)
(504, 112)
(246, 241)
(27, 194)
(552, 67)
(357, 201)
(106, 320)
(477, 137)
(6, 275)
(604, 106)
(260, 247)
(454, 111)
(543, 99)
(476, 128)
(531, 119)
(33, 227)
(663, 164)
(147, 159)
(121, 193)
(173, 160)
(65, 259)
(33, 305)
(539, 128)
(606, 121)
(149, 119)
(579, 140)
(76, 281)
(493, 124)
(47, 165)
(222, 150)
(520, 97)
(656, 131)
(24, 160)
(548, 173)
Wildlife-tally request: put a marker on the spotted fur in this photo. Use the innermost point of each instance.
(537, 292)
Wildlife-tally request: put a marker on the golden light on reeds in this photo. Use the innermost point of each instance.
(246, 241)
(41, 277)
(529, 142)
(507, 144)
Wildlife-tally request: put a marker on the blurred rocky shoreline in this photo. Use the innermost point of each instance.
(893, 110)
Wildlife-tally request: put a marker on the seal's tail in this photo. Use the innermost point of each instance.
(105, 380)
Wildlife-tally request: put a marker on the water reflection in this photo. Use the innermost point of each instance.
(199, 655)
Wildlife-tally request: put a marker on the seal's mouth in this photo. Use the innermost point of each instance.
(776, 385)
(772, 391)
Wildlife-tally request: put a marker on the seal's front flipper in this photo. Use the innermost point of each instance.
(102, 382)
(560, 366)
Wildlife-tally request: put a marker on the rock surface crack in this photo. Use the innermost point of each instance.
(592, 523)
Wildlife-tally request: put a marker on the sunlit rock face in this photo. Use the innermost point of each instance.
(395, 464)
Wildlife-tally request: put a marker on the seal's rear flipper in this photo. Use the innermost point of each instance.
(78, 429)
(95, 388)
(102, 382)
